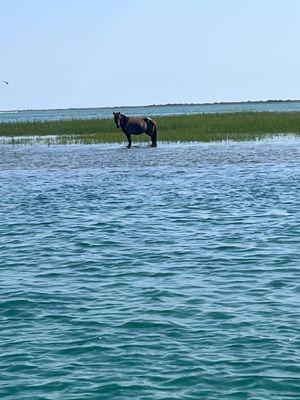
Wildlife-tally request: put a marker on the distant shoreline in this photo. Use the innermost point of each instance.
(154, 105)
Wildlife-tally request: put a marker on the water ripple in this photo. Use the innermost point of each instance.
(147, 274)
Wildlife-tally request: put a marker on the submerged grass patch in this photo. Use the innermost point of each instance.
(185, 128)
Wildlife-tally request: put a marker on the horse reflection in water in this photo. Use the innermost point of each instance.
(136, 126)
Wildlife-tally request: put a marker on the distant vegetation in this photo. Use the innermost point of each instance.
(187, 128)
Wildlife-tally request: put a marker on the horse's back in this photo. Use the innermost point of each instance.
(137, 125)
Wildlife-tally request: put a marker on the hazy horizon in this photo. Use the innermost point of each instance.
(156, 105)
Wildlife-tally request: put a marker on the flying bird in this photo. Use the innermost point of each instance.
(6, 82)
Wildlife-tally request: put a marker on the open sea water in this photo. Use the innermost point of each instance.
(168, 273)
(151, 110)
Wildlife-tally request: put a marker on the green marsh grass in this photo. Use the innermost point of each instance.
(180, 128)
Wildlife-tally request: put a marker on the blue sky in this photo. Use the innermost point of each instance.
(90, 53)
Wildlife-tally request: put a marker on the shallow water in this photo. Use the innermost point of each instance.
(171, 109)
(150, 273)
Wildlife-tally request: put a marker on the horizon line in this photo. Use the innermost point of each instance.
(156, 105)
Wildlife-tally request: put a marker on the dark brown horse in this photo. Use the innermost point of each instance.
(136, 126)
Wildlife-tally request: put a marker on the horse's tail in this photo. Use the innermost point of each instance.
(152, 130)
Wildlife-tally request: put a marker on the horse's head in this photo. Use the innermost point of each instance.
(117, 118)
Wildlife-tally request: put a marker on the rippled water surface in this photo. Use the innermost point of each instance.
(171, 109)
(168, 273)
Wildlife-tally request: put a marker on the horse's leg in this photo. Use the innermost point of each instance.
(128, 135)
(154, 137)
(150, 135)
(152, 132)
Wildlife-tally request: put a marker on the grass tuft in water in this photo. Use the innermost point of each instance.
(182, 128)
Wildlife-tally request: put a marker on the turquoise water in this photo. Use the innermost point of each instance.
(168, 273)
(171, 109)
